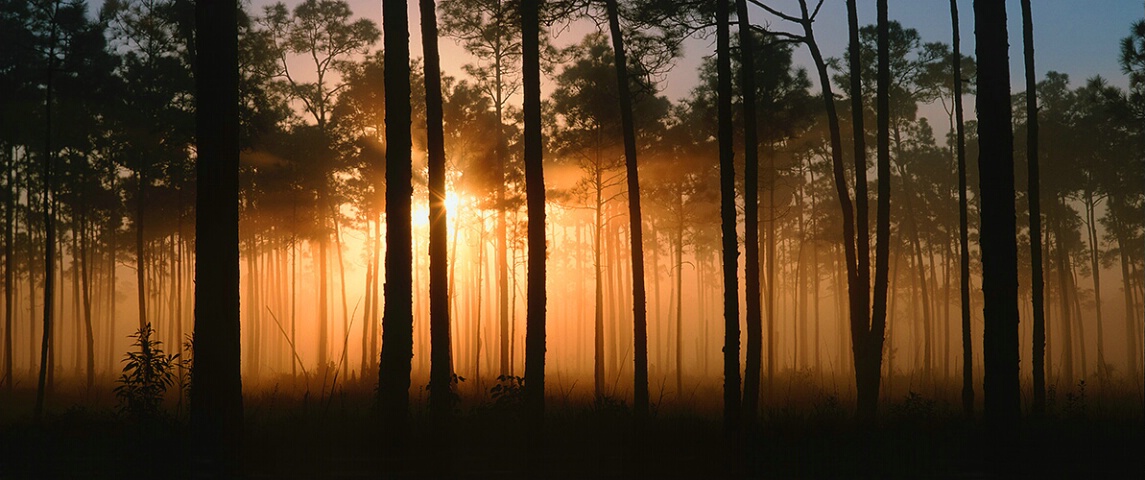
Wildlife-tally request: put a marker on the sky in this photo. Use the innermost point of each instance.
(1077, 37)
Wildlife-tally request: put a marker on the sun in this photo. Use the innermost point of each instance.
(420, 211)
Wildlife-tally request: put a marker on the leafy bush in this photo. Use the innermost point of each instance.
(508, 393)
(147, 374)
(915, 407)
(1075, 402)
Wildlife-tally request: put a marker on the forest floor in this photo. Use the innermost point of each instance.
(293, 436)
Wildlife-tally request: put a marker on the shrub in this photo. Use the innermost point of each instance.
(147, 374)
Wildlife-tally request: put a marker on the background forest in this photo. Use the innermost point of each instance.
(99, 145)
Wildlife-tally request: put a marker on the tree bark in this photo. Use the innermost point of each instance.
(397, 321)
(10, 264)
(963, 226)
(873, 348)
(49, 224)
(216, 395)
(732, 406)
(754, 315)
(535, 205)
(1034, 198)
(1001, 406)
(441, 395)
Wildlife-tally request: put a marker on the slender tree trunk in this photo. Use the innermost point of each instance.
(598, 302)
(369, 285)
(754, 316)
(86, 291)
(732, 406)
(920, 267)
(397, 331)
(963, 227)
(375, 322)
(1130, 308)
(535, 205)
(679, 298)
(49, 223)
(323, 292)
(873, 349)
(1095, 274)
(635, 222)
(1081, 343)
(342, 293)
(216, 395)
(1064, 303)
(998, 231)
(10, 264)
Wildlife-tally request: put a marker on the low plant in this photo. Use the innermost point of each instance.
(147, 374)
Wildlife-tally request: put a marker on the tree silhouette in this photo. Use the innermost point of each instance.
(441, 363)
(730, 249)
(753, 312)
(535, 204)
(397, 332)
(998, 231)
(963, 222)
(216, 395)
(636, 222)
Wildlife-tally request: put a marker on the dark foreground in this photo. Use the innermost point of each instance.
(339, 437)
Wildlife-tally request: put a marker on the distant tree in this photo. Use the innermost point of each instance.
(490, 30)
(588, 128)
(998, 230)
(216, 391)
(397, 320)
(323, 31)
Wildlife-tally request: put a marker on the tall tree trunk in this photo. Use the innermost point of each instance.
(1064, 304)
(874, 341)
(679, 297)
(754, 315)
(998, 231)
(635, 224)
(323, 290)
(503, 303)
(535, 206)
(89, 334)
(1034, 198)
(49, 223)
(397, 328)
(369, 301)
(866, 333)
(1095, 274)
(732, 407)
(440, 374)
(342, 293)
(10, 264)
(1130, 307)
(920, 267)
(598, 296)
(216, 395)
(964, 230)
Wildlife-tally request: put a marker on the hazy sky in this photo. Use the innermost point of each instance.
(1078, 37)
